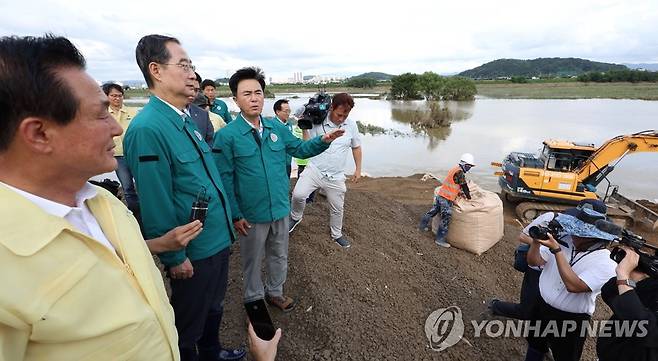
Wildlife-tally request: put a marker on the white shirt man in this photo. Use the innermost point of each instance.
(326, 170)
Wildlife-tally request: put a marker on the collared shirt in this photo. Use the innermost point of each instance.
(594, 268)
(178, 111)
(123, 116)
(79, 216)
(288, 124)
(260, 124)
(67, 298)
(331, 163)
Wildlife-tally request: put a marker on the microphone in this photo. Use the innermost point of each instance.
(609, 227)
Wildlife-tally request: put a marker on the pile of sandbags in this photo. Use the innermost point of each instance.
(477, 224)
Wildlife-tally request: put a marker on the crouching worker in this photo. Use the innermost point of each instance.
(453, 186)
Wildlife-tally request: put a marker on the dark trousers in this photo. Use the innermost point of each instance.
(564, 347)
(525, 309)
(198, 304)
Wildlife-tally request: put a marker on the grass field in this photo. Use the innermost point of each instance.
(569, 90)
(494, 89)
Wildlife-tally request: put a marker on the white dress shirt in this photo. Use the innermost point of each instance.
(79, 216)
(331, 162)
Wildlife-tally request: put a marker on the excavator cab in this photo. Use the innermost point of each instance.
(562, 156)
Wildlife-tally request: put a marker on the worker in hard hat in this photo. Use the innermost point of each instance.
(453, 186)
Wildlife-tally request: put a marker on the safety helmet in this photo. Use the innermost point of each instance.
(467, 158)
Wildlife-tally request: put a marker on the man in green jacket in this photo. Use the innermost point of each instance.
(251, 153)
(282, 114)
(173, 168)
(217, 105)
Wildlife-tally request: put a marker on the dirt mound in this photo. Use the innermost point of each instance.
(370, 302)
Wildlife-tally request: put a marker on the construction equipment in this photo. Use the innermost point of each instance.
(565, 173)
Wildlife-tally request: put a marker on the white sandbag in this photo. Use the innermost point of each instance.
(476, 224)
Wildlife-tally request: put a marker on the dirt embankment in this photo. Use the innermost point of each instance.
(370, 302)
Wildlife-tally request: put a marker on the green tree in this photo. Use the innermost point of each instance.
(361, 82)
(431, 85)
(459, 88)
(405, 86)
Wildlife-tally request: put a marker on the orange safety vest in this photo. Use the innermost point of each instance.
(449, 189)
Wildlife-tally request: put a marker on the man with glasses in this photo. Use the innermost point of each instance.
(123, 115)
(173, 169)
(282, 114)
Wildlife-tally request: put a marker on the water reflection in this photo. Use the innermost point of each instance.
(431, 119)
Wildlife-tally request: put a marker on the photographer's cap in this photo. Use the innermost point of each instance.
(575, 227)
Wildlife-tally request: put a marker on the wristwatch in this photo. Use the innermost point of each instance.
(556, 250)
(629, 283)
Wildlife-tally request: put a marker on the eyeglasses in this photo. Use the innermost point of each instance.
(184, 66)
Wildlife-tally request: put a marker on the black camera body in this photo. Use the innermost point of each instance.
(315, 111)
(541, 232)
(648, 262)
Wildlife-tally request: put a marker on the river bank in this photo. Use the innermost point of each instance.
(370, 302)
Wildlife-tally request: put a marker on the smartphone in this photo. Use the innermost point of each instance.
(260, 319)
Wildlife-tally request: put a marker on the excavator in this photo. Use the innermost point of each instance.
(566, 172)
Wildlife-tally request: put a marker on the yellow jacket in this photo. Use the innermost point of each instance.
(123, 117)
(64, 296)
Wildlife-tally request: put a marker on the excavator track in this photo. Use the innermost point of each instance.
(528, 211)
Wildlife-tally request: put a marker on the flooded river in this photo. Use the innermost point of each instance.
(490, 129)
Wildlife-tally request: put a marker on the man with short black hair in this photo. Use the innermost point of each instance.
(251, 153)
(123, 116)
(282, 114)
(327, 171)
(217, 105)
(78, 280)
(173, 169)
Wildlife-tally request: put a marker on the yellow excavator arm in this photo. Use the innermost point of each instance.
(599, 164)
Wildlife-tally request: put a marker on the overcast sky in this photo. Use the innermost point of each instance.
(343, 37)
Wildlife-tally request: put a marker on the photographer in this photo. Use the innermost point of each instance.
(525, 309)
(574, 270)
(632, 296)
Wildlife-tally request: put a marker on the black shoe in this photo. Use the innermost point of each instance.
(227, 354)
(343, 242)
(292, 224)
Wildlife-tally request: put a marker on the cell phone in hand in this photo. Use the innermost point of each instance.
(260, 319)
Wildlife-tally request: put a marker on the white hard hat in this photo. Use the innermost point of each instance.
(468, 159)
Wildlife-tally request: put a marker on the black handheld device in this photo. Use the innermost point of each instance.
(199, 206)
(260, 319)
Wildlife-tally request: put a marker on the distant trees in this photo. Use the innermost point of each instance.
(611, 76)
(361, 82)
(518, 79)
(432, 86)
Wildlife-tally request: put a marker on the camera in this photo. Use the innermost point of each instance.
(648, 262)
(315, 111)
(541, 232)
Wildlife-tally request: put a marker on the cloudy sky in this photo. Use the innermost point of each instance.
(343, 37)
